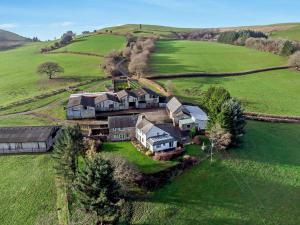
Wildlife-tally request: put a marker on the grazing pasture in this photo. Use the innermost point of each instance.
(274, 92)
(27, 189)
(255, 184)
(173, 57)
(19, 79)
(293, 33)
(128, 151)
(98, 44)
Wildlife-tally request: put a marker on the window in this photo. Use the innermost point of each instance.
(171, 144)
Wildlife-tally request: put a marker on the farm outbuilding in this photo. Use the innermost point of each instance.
(27, 139)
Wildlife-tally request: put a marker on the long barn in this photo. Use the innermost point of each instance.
(27, 139)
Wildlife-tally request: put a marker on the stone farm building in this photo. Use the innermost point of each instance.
(121, 128)
(27, 139)
(88, 105)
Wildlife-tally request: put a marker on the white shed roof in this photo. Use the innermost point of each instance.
(196, 112)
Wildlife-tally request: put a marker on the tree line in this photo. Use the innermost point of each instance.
(65, 39)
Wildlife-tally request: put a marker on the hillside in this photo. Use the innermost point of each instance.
(11, 40)
(285, 30)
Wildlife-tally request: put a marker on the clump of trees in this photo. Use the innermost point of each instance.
(294, 60)
(201, 35)
(95, 185)
(239, 37)
(65, 39)
(276, 46)
(111, 61)
(227, 121)
(138, 53)
(50, 69)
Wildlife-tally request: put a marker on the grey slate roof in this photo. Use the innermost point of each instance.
(162, 139)
(144, 125)
(122, 121)
(26, 134)
(106, 96)
(173, 105)
(81, 100)
(170, 129)
(140, 92)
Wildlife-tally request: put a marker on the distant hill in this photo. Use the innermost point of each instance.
(285, 30)
(11, 40)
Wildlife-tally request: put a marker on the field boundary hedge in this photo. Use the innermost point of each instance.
(271, 118)
(75, 53)
(201, 74)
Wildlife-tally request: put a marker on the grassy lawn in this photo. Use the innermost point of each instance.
(128, 151)
(23, 120)
(27, 190)
(99, 44)
(273, 92)
(290, 34)
(197, 56)
(258, 184)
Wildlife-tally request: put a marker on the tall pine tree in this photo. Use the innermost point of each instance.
(98, 191)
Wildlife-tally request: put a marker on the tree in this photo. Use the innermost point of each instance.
(287, 49)
(50, 69)
(67, 37)
(67, 148)
(214, 100)
(294, 60)
(219, 137)
(233, 120)
(98, 191)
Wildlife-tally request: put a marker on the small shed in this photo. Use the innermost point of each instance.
(27, 139)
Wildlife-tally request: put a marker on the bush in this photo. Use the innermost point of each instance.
(287, 49)
(197, 140)
(219, 137)
(167, 156)
(111, 61)
(294, 60)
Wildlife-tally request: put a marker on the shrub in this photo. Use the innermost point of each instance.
(197, 140)
(287, 49)
(111, 61)
(294, 60)
(167, 156)
(220, 138)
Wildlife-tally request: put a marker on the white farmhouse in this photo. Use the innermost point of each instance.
(152, 137)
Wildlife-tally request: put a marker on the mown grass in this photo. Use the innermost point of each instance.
(195, 56)
(23, 120)
(128, 151)
(273, 92)
(99, 44)
(289, 34)
(27, 189)
(255, 184)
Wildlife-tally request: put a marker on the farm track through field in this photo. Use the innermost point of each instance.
(213, 75)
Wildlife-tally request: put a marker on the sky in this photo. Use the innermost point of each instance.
(48, 19)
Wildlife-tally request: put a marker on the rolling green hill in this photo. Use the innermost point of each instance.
(292, 33)
(99, 44)
(11, 40)
(196, 56)
(256, 184)
(19, 79)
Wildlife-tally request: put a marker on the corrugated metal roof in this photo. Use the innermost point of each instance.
(81, 100)
(26, 134)
(105, 97)
(173, 105)
(158, 140)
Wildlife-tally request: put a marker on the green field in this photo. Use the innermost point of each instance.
(128, 151)
(27, 189)
(195, 56)
(292, 33)
(19, 79)
(256, 184)
(99, 44)
(273, 92)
